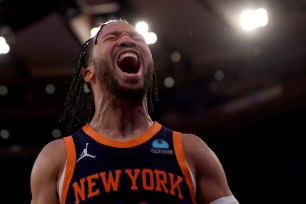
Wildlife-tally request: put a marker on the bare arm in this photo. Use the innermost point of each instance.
(210, 176)
(45, 173)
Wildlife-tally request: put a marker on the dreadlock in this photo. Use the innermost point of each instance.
(78, 100)
(79, 103)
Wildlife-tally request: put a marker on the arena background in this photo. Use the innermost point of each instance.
(243, 92)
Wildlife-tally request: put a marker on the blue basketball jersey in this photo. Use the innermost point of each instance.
(150, 169)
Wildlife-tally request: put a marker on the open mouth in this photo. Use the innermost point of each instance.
(128, 62)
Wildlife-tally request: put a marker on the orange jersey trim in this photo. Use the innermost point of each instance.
(132, 143)
(70, 165)
(180, 155)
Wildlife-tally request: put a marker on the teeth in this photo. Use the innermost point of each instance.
(127, 54)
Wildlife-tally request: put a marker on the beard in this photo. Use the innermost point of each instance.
(107, 79)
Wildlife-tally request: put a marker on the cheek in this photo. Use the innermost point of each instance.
(101, 51)
(147, 53)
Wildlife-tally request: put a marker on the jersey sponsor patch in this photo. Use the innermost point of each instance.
(160, 146)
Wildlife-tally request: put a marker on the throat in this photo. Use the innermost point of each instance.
(122, 131)
(115, 118)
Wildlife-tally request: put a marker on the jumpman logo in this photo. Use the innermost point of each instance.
(85, 154)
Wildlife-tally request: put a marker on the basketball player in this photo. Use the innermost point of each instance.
(118, 154)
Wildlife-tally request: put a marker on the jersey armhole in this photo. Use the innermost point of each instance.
(180, 155)
(69, 167)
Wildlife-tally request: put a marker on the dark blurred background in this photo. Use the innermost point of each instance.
(243, 92)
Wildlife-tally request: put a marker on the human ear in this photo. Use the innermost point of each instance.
(88, 74)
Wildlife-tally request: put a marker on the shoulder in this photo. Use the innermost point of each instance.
(46, 170)
(51, 158)
(198, 154)
(194, 144)
(205, 165)
(54, 149)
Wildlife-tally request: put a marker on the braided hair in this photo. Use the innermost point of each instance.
(79, 103)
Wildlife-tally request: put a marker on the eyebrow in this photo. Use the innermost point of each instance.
(118, 33)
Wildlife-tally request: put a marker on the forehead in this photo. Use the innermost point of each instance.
(117, 27)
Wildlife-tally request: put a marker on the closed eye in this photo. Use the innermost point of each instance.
(115, 36)
(111, 37)
(136, 36)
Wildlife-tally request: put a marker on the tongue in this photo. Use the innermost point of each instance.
(129, 65)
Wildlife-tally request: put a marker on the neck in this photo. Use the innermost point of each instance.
(119, 119)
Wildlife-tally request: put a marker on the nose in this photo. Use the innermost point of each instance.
(126, 41)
